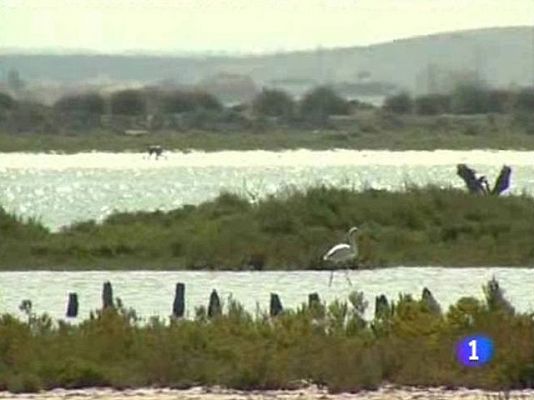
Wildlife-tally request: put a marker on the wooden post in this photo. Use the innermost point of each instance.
(275, 306)
(178, 307)
(214, 307)
(430, 301)
(313, 300)
(72, 306)
(381, 307)
(107, 295)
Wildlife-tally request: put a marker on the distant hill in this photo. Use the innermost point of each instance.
(501, 56)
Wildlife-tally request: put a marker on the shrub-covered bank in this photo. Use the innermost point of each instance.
(291, 230)
(471, 116)
(410, 342)
(367, 130)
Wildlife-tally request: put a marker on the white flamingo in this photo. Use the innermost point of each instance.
(343, 252)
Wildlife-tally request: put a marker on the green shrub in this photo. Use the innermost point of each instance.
(6, 102)
(87, 103)
(128, 102)
(274, 103)
(24, 383)
(469, 98)
(326, 344)
(290, 230)
(401, 103)
(432, 104)
(80, 373)
(322, 102)
(183, 101)
(524, 101)
(500, 101)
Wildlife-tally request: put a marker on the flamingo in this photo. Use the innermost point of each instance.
(343, 252)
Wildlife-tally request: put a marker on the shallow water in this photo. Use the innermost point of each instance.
(151, 293)
(61, 189)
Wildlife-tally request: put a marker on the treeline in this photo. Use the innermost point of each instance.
(409, 341)
(172, 109)
(464, 99)
(181, 110)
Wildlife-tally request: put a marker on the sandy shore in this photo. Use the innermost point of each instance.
(312, 392)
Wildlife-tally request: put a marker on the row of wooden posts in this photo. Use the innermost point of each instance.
(178, 306)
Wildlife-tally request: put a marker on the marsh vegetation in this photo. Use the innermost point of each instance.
(471, 116)
(290, 230)
(408, 342)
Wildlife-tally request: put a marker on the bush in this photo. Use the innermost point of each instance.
(24, 383)
(290, 231)
(524, 101)
(325, 344)
(89, 103)
(469, 98)
(432, 104)
(128, 102)
(207, 101)
(80, 374)
(32, 118)
(322, 102)
(177, 102)
(524, 120)
(400, 104)
(499, 101)
(181, 101)
(6, 102)
(273, 103)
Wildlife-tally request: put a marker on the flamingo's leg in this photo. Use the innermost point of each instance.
(331, 278)
(347, 276)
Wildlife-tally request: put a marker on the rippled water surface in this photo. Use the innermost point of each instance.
(60, 189)
(151, 292)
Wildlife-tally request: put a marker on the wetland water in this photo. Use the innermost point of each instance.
(61, 189)
(151, 293)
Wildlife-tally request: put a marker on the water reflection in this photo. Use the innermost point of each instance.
(60, 189)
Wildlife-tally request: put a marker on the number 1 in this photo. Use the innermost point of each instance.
(473, 345)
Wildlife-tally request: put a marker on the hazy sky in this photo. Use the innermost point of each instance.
(242, 26)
